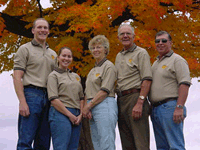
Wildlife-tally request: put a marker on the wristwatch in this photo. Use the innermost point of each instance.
(142, 97)
(179, 106)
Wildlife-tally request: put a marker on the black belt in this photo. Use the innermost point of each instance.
(125, 92)
(163, 101)
(35, 87)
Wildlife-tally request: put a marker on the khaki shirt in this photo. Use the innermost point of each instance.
(101, 77)
(36, 62)
(133, 66)
(65, 86)
(168, 73)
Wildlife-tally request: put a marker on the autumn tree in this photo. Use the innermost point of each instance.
(74, 22)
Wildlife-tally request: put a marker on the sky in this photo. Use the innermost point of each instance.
(9, 114)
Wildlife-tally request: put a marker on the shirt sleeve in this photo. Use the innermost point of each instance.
(52, 87)
(108, 79)
(144, 66)
(21, 58)
(182, 72)
(81, 94)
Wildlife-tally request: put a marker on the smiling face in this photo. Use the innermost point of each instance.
(65, 58)
(162, 46)
(126, 36)
(98, 52)
(40, 31)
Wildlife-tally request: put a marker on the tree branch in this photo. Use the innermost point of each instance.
(40, 8)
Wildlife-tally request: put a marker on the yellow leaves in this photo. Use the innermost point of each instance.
(20, 7)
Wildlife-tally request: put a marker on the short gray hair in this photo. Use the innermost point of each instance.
(125, 24)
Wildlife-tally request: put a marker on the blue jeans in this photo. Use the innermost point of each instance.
(103, 123)
(168, 135)
(65, 135)
(35, 127)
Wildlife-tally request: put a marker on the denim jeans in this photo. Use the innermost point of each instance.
(168, 135)
(65, 135)
(103, 123)
(35, 127)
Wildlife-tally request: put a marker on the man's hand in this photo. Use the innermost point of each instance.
(178, 115)
(24, 109)
(137, 110)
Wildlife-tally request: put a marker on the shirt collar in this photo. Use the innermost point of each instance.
(166, 55)
(101, 62)
(131, 49)
(59, 70)
(35, 43)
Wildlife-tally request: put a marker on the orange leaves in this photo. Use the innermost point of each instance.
(194, 65)
(2, 26)
(3, 2)
(74, 24)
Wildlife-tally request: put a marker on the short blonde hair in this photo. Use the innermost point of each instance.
(99, 39)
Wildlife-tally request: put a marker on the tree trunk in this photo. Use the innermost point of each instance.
(85, 142)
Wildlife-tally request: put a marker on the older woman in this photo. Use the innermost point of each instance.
(66, 94)
(101, 107)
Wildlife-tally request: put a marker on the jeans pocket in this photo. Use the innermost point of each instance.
(169, 105)
(30, 96)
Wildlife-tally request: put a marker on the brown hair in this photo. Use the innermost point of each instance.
(60, 51)
(34, 23)
(163, 32)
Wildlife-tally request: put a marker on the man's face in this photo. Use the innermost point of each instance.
(163, 44)
(41, 31)
(126, 36)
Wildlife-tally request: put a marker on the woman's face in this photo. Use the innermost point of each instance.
(98, 52)
(65, 58)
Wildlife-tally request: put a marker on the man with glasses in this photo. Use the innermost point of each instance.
(168, 94)
(133, 84)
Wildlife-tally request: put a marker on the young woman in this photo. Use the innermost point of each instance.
(66, 94)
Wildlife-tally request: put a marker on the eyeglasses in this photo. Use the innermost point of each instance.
(123, 34)
(163, 40)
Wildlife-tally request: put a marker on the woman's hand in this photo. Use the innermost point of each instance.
(86, 110)
(89, 115)
(73, 118)
(79, 119)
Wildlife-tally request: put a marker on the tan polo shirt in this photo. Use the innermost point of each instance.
(101, 77)
(36, 62)
(168, 73)
(65, 86)
(133, 66)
